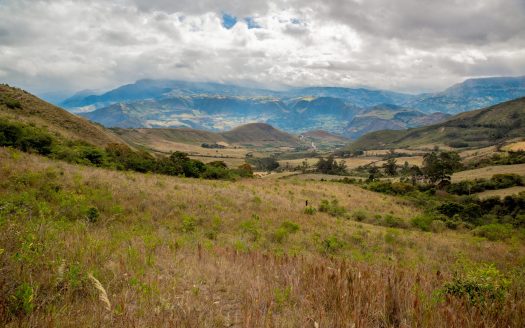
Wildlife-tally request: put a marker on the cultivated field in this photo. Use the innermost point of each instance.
(82, 246)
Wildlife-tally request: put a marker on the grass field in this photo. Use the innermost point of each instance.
(82, 246)
(501, 192)
(488, 172)
(515, 146)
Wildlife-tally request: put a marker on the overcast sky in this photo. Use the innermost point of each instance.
(403, 45)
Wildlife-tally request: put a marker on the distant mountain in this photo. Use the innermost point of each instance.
(477, 128)
(219, 107)
(32, 110)
(471, 94)
(254, 134)
(389, 117)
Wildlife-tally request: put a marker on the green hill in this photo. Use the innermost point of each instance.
(17, 105)
(474, 129)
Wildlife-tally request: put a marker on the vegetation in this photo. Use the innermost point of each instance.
(32, 139)
(498, 181)
(330, 166)
(123, 248)
(474, 129)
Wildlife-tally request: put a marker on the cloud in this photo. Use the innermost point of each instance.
(405, 45)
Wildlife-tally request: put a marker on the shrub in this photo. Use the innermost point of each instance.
(251, 227)
(332, 207)
(22, 301)
(332, 245)
(286, 228)
(393, 222)
(93, 214)
(494, 231)
(10, 102)
(359, 215)
(188, 223)
(422, 222)
(479, 284)
(310, 210)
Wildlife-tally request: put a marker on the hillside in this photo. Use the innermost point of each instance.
(477, 129)
(253, 134)
(389, 117)
(471, 94)
(21, 106)
(122, 249)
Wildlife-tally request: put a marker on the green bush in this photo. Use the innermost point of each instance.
(479, 284)
(359, 215)
(189, 223)
(332, 245)
(22, 301)
(310, 210)
(251, 228)
(286, 228)
(332, 208)
(494, 231)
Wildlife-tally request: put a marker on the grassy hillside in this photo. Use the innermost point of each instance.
(254, 134)
(474, 129)
(86, 247)
(20, 106)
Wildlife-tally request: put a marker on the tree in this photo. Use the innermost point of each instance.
(390, 167)
(438, 166)
(330, 166)
(373, 173)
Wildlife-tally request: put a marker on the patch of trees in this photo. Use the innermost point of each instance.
(510, 158)
(438, 166)
(498, 181)
(213, 146)
(474, 212)
(117, 156)
(330, 166)
(266, 164)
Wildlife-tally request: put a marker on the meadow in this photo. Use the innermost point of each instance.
(84, 246)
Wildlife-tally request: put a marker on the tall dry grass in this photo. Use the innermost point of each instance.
(174, 252)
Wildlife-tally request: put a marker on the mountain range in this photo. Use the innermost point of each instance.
(350, 112)
(474, 129)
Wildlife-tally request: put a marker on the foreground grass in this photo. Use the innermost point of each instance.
(81, 246)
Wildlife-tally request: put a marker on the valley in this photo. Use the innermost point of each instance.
(256, 226)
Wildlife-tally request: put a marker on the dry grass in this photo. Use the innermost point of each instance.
(194, 253)
(488, 172)
(520, 145)
(501, 192)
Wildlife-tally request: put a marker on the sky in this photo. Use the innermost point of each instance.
(63, 46)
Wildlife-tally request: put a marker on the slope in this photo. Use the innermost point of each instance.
(21, 106)
(474, 129)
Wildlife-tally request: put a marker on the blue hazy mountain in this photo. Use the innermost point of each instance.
(346, 111)
(470, 94)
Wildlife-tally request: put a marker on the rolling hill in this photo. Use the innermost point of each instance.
(253, 134)
(477, 128)
(20, 106)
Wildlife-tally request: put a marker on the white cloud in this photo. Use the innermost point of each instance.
(406, 45)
